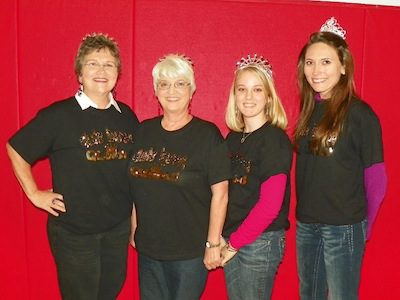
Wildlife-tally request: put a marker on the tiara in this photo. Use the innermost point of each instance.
(331, 25)
(95, 34)
(259, 62)
(182, 56)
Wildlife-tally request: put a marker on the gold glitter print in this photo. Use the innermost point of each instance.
(111, 142)
(241, 168)
(161, 165)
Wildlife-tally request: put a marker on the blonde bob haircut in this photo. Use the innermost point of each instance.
(173, 66)
(274, 110)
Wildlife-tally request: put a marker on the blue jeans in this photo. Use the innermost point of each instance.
(90, 266)
(251, 272)
(171, 280)
(329, 260)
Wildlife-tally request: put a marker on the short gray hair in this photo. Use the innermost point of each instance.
(173, 66)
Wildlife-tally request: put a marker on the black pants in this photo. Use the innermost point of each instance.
(91, 266)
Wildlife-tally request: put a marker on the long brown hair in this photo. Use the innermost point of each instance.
(338, 105)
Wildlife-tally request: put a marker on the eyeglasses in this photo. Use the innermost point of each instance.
(95, 66)
(165, 85)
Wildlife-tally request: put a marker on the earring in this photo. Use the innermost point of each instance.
(80, 91)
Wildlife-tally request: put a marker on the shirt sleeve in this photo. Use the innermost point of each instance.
(375, 182)
(368, 136)
(263, 213)
(34, 141)
(218, 162)
(275, 155)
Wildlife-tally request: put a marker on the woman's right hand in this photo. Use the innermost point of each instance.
(51, 202)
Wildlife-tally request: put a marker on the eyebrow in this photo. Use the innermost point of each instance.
(96, 60)
(178, 80)
(307, 58)
(172, 80)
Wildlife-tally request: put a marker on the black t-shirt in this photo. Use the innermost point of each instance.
(89, 151)
(266, 152)
(171, 177)
(330, 189)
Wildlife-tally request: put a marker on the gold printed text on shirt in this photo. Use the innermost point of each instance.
(161, 165)
(241, 169)
(111, 142)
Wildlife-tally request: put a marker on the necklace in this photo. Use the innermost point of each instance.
(245, 136)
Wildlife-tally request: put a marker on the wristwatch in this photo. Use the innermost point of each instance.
(209, 245)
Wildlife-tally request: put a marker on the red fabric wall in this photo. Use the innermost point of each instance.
(38, 46)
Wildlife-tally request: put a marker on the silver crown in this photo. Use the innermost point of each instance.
(95, 34)
(259, 62)
(331, 25)
(182, 56)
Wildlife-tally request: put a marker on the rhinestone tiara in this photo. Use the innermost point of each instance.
(182, 56)
(331, 25)
(94, 34)
(255, 61)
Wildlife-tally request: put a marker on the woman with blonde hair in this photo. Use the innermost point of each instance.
(259, 192)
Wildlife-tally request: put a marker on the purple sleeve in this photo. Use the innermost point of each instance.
(375, 181)
(263, 213)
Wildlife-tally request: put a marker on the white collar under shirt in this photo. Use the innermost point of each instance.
(85, 102)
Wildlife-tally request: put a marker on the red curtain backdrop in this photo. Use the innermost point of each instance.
(40, 39)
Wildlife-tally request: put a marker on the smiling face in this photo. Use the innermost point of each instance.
(99, 75)
(322, 68)
(251, 96)
(174, 95)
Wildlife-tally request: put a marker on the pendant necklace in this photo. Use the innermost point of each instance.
(245, 136)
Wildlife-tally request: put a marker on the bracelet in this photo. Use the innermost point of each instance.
(230, 248)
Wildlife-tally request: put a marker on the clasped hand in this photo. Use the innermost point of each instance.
(218, 256)
(227, 252)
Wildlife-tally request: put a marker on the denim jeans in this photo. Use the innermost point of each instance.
(329, 260)
(250, 274)
(90, 266)
(171, 280)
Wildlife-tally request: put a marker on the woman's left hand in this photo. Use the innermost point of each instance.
(227, 253)
(212, 258)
